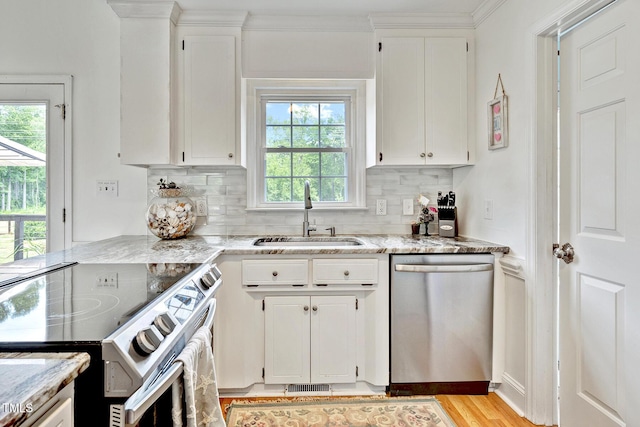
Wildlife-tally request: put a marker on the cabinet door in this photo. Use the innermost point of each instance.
(401, 121)
(287, 340)
(422, 101)
(446, 101)
(60, 416)
(209, 100)
(333, 339)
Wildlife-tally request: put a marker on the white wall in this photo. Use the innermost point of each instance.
(81, 38)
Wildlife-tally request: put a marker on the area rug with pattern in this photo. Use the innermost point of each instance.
(419, 412)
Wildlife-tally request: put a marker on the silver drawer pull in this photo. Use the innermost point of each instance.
(346, 272)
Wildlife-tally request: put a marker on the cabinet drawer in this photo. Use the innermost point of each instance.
(345, 271)
(271, 272)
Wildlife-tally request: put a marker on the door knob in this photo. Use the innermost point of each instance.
(564, 252)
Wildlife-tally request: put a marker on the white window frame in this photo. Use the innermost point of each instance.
(259, 90)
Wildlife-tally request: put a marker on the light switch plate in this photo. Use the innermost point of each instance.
(407, 207)
(488, 209)
(107, 188)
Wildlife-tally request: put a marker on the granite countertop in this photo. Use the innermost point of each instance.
(29, 380)
(200, 249)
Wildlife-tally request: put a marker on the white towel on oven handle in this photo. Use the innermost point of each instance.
(198, 383)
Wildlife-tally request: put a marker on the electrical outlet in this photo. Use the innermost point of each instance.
(201, 207)
(381, 207)
(107, 280)
(407, 207)
(107, 188)
(488, 209)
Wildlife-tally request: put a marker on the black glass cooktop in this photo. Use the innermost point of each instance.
(82, 302)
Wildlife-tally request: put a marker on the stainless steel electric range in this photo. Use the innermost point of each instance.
(133, 320)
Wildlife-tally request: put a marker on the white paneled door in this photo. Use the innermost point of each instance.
(599, 208)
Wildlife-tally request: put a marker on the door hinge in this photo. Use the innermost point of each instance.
(262, 372)
(467, 46)
(63, 110)
(183, 156)
(380, 157)
(64, 214)
(356, 303)
(356, 371)
(467, 156)
(182, 44)
(380, 47)
(262, 305)
(558, 365)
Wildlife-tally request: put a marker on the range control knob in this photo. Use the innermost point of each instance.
(165, 322)
(147, 340)
(208, 280)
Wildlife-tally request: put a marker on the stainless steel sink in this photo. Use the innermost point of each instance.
(307, 241)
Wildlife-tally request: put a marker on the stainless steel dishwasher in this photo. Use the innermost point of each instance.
(441, 323)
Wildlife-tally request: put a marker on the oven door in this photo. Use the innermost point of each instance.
(129, 413)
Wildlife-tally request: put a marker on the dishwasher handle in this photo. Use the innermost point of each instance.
(455, 268)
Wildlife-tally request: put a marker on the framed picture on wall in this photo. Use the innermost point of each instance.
(498, 123)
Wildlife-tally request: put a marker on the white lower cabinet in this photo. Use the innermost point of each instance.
(300, 319)
(310, 339)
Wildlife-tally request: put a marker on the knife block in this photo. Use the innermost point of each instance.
(448, 221)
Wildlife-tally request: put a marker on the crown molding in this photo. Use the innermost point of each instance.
(149, 9)
(421, 20)
(486, 8)
(346, 23)
(217, 18)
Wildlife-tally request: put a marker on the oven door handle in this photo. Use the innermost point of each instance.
(145, 397)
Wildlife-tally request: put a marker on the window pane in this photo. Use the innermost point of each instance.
(332, 136)
(306, 164)
(334, 189)
(278, 136)
(305, 114)
(298, 189)
(332, 113)
(306, 136)
(278, 113)
(278, 164)
(278, 189)
(334, 164)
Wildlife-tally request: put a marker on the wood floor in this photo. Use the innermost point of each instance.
(465, 411)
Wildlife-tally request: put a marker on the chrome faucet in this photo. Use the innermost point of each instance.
(306, 228)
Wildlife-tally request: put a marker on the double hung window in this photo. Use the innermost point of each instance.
(313, 134)
(306, 140)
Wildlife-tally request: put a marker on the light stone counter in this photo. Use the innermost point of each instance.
(30, 380)
(199, 249)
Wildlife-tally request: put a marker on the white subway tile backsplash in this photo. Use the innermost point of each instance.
(226, 190)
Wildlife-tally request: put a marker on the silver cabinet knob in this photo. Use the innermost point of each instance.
(147, 340)
(430, 154)
(306, 308)
(230, 155)
(422, 155)
(274, 274)
(346, 273)
(315, 308)
(165, 322)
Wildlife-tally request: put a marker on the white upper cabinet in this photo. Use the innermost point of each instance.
(422, 101)
(208, 101)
